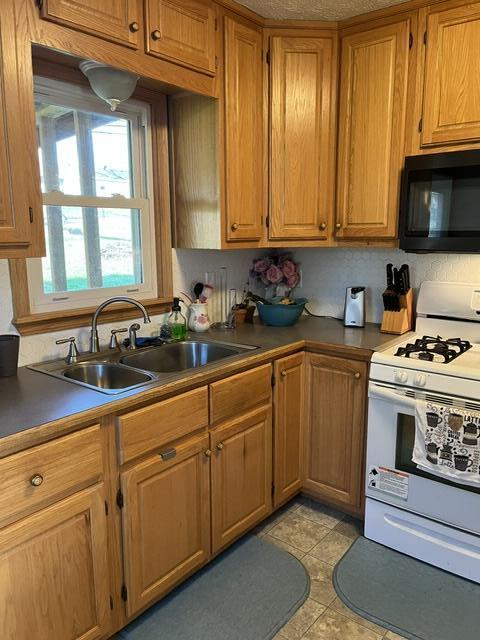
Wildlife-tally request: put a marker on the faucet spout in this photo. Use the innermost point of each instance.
(94, 345)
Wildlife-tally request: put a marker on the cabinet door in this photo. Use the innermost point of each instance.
(182, 31)
(373, 92)
(302, 137)
(166, 520)
(335, 426)
(288, 427)
(243, 131)
(451, 105)
(117, 20)
(54, 573)
(241, 475)
(21, 225)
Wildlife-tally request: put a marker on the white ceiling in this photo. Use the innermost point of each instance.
(315, 9)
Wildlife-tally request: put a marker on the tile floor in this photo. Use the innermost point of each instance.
(319, 536)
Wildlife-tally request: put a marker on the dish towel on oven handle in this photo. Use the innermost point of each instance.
(447, 442)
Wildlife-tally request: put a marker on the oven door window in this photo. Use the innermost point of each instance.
(404, 452)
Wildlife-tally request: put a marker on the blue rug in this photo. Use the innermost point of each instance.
(247, 593)
(407, 596)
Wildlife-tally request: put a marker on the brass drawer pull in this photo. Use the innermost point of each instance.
(220, 446)
(156, 35)
(338, 226)
(283, 373)
(234, 226)
(358, 375)
(208, 453)
(323, 226)
(168, 454)
(36, 480)
(134, 27)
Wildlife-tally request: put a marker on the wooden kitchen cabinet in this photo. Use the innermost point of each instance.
(117, 20)
(302, 108)
(21, 219)
(288, 403)
(373, 102)
(243, 108)
(334, 429)
(183, 31)
(451, 97)
(166, 520)
(241, 475)
(54, 572)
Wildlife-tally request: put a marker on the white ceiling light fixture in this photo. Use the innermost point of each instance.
(112, 85)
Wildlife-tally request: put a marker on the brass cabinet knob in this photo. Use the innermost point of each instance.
(323, 226)
(208, 453)
(338, 226)
(156, 35)
(36, 480)
(358, 376)
(234, 226)
(283, 373)
(220, 446)
(134, 27)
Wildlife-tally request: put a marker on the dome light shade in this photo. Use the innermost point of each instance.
(112, 85)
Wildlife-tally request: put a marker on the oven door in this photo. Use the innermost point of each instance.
(394, 479)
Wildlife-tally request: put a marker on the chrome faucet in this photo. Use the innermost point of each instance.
(94, 348)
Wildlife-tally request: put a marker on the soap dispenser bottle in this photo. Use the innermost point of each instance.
(177, 322)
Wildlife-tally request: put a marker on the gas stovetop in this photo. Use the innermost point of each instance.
(432, 349)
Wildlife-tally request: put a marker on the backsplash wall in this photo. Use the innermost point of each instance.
(325, 272)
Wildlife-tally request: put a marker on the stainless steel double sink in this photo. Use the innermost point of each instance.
(119, 371)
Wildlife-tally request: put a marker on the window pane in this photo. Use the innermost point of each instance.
(84, 153)
(91, 248)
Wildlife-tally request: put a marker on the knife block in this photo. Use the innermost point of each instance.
(398, 322)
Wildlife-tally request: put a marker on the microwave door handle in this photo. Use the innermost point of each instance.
(382, 393)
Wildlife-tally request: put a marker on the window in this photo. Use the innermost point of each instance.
(96, 178)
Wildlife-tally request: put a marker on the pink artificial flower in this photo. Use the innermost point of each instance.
(293, 280)
(261, 265)
(289, 268)
(274, 274)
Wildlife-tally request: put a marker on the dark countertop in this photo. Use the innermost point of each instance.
(32, 399)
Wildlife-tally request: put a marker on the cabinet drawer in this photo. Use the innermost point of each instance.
(153, 426)
(240, 393)
(35, 477)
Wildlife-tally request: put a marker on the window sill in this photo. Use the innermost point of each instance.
(59, 320)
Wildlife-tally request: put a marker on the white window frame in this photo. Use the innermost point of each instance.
(139, 115)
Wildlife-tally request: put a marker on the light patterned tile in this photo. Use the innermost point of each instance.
(331, 548)
(321, 586)
(298, 532)
(350, 527)
(319, 513)
(339, 607)
(302, 620)
(272, 520)
(284, 545)
(333, 626)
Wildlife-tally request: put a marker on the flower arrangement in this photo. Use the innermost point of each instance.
(277, 269)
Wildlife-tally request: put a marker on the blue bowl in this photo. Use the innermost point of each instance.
(281, 315)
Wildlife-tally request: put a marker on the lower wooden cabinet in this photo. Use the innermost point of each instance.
(166, 520)
(335, 429)
(241, 475)
(288, 427)
(54, 572)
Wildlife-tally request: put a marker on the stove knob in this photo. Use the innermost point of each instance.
(401, 376)
(420, 380)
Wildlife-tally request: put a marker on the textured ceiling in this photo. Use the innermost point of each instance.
(315, 9)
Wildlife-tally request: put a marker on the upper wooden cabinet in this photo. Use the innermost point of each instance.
(451, 99)
(183, 31)
(335, 429)
(373, 99)
(243, 104)
(21, 220)
(302, 149)
(117, 20)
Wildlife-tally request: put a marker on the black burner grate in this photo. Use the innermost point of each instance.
(434, 349)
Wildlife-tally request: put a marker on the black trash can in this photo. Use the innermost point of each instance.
(9, 355)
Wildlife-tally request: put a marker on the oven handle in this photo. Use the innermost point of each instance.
(384, 393)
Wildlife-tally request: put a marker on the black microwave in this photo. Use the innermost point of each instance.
(440, 202)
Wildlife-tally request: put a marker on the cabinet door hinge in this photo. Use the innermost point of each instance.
(420, 125)
(410, 41)
(30, 214)
(267, 221)
(106, 508)
(120, 499)
(273, 488)
(274, 380)
(216, 24)
(39, 3)
(111, 603)
(267, 57)
(425, 38)
(216, 62)
(124, 593)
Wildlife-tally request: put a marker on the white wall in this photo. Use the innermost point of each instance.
(326, 273)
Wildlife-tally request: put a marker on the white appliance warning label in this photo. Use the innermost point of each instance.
(389, 481)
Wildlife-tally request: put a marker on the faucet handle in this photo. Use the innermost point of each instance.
(113, 338)
(72, 355)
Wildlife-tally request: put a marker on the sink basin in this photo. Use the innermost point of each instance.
(179, 356)
(106, 376)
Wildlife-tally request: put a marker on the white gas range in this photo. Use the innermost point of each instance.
(415, 512)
